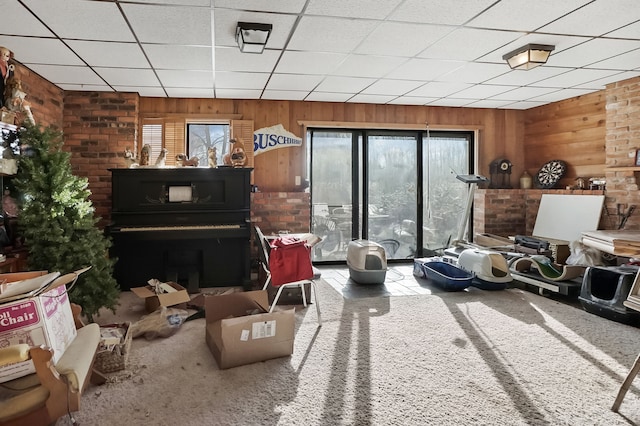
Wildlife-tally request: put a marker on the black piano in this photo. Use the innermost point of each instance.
(189, 225)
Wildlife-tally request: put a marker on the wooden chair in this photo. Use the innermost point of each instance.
(52, 391)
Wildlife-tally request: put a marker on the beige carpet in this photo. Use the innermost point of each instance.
(468, 358)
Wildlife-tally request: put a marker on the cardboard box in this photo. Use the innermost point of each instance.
(240, 330)
(44, 319)
(152, 301)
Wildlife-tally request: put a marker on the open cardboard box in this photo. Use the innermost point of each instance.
(240, 330)
(36, 310)
(152, 301)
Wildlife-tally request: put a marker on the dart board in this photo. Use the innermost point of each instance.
(550, 173)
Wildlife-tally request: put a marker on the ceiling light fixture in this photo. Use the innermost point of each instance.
(529, 56)
(252, 37)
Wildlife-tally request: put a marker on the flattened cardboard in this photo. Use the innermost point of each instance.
(236, 337)
(153, 301)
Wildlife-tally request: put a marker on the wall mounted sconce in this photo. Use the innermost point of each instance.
(529, 56)
(252, 37)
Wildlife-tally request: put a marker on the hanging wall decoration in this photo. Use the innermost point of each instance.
(273, 137)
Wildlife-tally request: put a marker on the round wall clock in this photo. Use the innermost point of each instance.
(550, 173)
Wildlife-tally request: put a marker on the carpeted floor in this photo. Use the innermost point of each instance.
(508, 357)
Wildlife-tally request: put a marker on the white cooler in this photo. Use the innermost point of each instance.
(367, 262)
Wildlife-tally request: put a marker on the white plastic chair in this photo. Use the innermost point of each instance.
(263, 249)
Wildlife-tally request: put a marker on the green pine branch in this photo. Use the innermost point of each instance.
(57, 220)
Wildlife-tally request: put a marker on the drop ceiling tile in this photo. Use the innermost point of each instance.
(371, 99)
(182, 78)
(293, 82)
(237, 80)
(29, 50)
(362, 9)
(169, 24)
(436, 89)
(602, 82)
(482, 91)
(330, 34)
(596, 18)
(467, 44)
(76, 19)
(411, 100)
(488, 103)
(401, 39)
(560, 95)
(283, 95)
(22, 22)
(438, 11)
(523, 93)
(179, 57)
(85, 87)
(520, 15)
(182, 92)
(368, 66)
(450, 102)
(226, 21)
(424, 69)
(153, 92)
(128, 77)
(109, 54)
(282, 6)
(238, 94)
(344, 84)
(523, 78)
(59, 74)
(309, 62)
(392, 87)
(624, 61)
(328, 97)
(572, 78)
(205, 3)
(591, 51)
(474, 72)
(628, 31)
(231, 59)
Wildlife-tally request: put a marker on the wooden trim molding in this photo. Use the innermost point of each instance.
(194, 117)
(387, 126)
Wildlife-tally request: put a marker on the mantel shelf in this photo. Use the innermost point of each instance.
(623, 169)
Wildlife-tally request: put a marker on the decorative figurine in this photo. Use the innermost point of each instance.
(130, 158)
(236, 157)
(6, 72)
(212, 156)
(161, 160)
(145, 154)
(15, 99)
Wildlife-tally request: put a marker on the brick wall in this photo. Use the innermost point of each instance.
(98, 127)
(506, 212)
(277, 211)
(622, 141)
(46, 99)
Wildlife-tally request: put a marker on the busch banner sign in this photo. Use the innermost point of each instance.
(273, 137)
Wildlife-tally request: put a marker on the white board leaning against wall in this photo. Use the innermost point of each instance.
(565, 217)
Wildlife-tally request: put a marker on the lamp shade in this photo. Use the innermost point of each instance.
(252, 37)
(529, 56)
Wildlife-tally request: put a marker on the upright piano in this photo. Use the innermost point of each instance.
(188, 225)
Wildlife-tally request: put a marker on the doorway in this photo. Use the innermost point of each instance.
(397, 188)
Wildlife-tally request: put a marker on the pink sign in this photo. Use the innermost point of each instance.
(18, 316)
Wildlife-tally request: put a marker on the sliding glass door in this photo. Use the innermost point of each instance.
(397, 188)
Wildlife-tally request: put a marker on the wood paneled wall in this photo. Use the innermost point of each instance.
(500, 131)
(573, 130)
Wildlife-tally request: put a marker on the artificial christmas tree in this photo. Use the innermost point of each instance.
(57, 219)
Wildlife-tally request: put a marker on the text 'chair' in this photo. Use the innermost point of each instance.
(264, 249)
